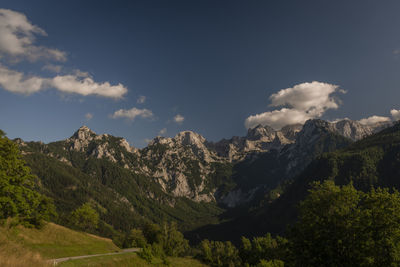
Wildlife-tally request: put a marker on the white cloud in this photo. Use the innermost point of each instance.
(52, 68)
(132, 113)
(81, 74)
(179, 118)
(17, 82)
(88, 116)
(146, 140)
(301, 102)
(163, 131)
(141, 99)
(17, 42)
(87, 86)
(339, 119)
(17, 38)
(278, 118)
(373, 120)
(395, 114)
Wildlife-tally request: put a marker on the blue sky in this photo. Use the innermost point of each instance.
(214, 63)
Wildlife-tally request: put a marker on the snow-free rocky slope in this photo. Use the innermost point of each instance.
(189, 166)
(184, 178)
(368, 163)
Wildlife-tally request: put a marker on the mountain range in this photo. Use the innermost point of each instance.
(185, 178)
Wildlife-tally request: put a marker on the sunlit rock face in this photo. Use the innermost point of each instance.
(186, 164)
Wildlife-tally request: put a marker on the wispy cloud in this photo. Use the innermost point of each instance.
(163, 131)
(179, 119)
(132, 113)
(374, 119)
(88, 116)
(299, 103)
(141, 99)
(18, 37)
(52, 68)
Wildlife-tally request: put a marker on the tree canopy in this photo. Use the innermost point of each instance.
(18, 198)
(341, 226)
(85, 218)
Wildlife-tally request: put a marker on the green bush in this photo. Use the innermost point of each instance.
(219, 254)
(146, 253)
(85, 218)
(136, 239)
(173, 241)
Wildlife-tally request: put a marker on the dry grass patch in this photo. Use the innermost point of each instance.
(14, 254)
(55, 241)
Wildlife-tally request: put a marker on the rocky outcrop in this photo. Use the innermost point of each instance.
(184, 165)
(258, 139)
(181, 164)
(356, 131)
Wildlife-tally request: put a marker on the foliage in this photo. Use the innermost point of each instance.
(262, 249)
(120, 196)
(273, 263)
(18, 197)
(85, 218)
(136, 239)
(146, 253)
(271, 168)
(340, 226)
(173, 242)
(152, 232)
(217, 253)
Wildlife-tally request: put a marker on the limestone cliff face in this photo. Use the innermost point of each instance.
(187, 165)
(258, 139)
(99, 146)
(356, 131)
(181, 164)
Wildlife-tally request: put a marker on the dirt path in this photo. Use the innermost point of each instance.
(55, 261)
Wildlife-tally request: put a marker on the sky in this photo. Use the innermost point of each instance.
(138, 69)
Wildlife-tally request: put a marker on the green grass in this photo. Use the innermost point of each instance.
(55, 241)
(21, 246)
(129, 259)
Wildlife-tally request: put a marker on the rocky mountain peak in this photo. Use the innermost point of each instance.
(290, 131)
(83, 133)
(190, 138)
(353, 130)
(260, 133)
(160, 140)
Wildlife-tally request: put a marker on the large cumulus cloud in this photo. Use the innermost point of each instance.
(299, 103)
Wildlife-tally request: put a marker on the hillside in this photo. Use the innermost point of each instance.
(370, 162)
(184, 179)
(21, 246)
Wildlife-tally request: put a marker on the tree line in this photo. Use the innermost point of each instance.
(337, 226)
